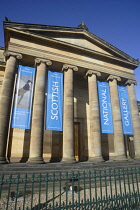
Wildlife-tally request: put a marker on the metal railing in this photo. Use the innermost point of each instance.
(98, 189)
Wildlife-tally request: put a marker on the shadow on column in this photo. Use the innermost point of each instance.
(129, 146)
(80, 114)
(105, 146)
(57, 139)
(26, 146)
(9, 144)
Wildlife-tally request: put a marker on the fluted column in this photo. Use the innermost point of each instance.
(6, 100)
(135, 116)
(117, 120)
(68, 118)
(37, 127)
(94, 144)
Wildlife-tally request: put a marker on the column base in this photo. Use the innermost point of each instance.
(3, 160)
(129, 158)
(35, 160)
(120, 158)
(95, 159)
(68, 160)
(137, 157)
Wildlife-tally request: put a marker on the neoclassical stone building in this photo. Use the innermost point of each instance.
(84, 59)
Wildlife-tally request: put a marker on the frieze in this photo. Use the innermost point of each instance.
(69, 59)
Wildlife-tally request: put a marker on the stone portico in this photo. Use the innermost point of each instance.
(84, 59)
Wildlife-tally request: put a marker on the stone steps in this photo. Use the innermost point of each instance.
(15, 168)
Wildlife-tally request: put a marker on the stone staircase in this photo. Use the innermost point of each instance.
(22, 168)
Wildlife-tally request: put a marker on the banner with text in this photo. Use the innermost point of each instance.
(54, 101)
(21, 113)
(105, 107)
(125, 110)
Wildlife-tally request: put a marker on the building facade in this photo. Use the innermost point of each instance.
(84, 59)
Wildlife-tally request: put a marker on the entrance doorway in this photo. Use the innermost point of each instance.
(77, 141)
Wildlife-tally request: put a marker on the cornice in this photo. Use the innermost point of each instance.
(114, 49)
(76, 47)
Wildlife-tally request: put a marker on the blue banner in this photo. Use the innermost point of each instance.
(21, 113)
(54, 101)
(105, 107)
(125, 110)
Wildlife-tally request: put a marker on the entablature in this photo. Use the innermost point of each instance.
(59, 58)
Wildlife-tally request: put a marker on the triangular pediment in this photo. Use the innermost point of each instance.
(74, 36)
(81, 42)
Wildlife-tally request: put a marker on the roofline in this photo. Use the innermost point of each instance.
(86, 33)
(42, 25)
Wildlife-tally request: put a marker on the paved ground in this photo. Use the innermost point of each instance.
(55, 193)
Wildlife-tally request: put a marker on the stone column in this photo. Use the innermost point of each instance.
(6, 100)
(94, 145)
(134, 116)
(117, 120)
(68, 118)
(37, 127)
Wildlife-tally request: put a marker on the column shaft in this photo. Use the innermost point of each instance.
(5, 102)
(135, 119)
(68, 118)
(117, 122)
(94, 147)
(37, 127)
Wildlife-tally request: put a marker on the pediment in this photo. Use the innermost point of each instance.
(81, 42)
(73, 36)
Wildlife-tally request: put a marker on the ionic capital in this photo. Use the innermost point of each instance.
(67, 66)
(112, 77)
(130, 82)
(9, 53)
(91, 72)
(40, 60)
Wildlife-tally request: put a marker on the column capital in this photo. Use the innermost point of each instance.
(40, 60)
(67, 66)
(130, 82)
(91, 72)
(8, 53)
(112, 77)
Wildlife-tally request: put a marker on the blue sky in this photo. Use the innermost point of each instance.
(115, 21)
